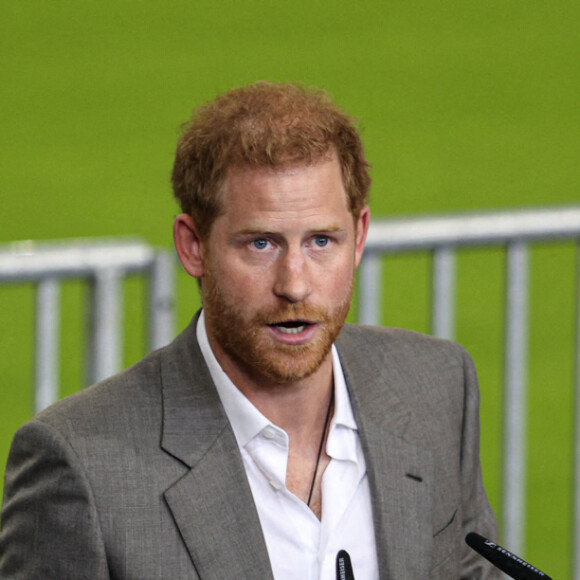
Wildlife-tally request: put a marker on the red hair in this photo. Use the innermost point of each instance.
(263, 125)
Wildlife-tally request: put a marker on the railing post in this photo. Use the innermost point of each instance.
(443, 292)
(47, 343)
(161, 300)
(369, 302)
(515, 398)
(576, 490)
(105, 342)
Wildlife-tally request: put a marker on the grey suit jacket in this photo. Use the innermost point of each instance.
(140, 476)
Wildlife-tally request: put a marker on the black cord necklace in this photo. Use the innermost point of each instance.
(326, 422)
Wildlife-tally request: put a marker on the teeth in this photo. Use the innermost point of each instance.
(291, 330)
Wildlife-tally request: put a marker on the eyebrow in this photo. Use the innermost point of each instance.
(265, 231)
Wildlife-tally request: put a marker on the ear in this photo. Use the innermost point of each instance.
(362, 228)
(188, 245)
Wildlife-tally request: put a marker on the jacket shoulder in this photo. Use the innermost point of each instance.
(399, 342)
(132, 391)
(132, 394)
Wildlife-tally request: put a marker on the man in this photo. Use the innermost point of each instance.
(266, 438)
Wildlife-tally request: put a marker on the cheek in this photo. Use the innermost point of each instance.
(244, 285)
(335, 289)
(340, 274)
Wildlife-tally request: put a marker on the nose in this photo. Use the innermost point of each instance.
(292, 276)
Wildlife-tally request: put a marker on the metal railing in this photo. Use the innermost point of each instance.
(104, 264)
(443, 235)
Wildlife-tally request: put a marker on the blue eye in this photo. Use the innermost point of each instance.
(321, 241)
(260, 244)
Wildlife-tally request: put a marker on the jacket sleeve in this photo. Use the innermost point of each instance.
(477, 513)
(50, 527)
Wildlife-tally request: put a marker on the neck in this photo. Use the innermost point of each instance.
(296, 407)
(300, 409)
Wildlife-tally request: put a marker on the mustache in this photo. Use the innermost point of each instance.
(305, 312)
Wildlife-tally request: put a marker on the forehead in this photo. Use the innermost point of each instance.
(298, 188)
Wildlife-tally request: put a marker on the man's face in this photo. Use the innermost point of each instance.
(278, 270)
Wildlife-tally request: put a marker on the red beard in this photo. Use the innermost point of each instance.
(246, 338)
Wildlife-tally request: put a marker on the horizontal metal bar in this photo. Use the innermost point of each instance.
(31, 261)
(501, 227)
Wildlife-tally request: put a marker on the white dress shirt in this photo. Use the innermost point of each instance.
(300, 546)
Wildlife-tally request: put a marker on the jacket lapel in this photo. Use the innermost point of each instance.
(212, 504)
(400, 470)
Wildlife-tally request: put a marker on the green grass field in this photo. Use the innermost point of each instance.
(463, 106)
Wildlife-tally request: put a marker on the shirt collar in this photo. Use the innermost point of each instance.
(246, 420)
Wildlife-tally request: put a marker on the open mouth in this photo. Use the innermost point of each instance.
(291, 326)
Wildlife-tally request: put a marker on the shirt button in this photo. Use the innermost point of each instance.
(268, 433)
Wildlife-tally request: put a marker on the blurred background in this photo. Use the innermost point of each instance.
(462, 106)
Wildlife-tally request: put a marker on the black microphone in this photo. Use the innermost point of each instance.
(343, 566)
(506, 561)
